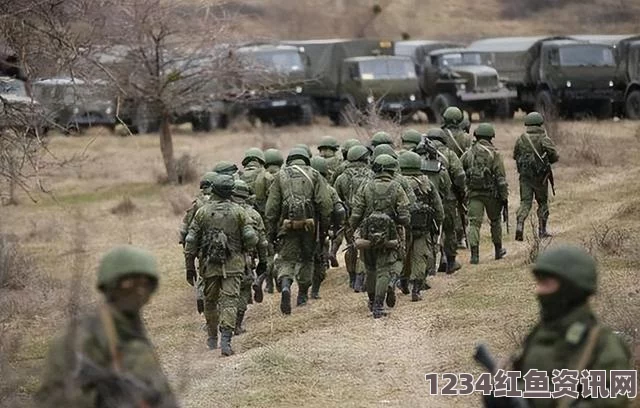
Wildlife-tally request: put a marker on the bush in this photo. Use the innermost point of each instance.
(14, 265)
(606, 240)
(124, 207)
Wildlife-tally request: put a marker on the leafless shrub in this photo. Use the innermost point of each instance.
(179, 203)
(535, 244)
(187, 169)
(124, 207)
(606, 240)
(577, 147)
(366, 123)
(15, 266)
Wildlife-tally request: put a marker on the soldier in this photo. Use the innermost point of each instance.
(534, 154)
(273, 160)
(298, 213)
(242, 195)
(201, 199)
(257, 178)
(380, 138)
(226, 167)
(411, 138)
(305, 147)
(456, 199)
(356, 174)
(426, 219)
(568, 335)
(338, 215)
(87, 366)
(465, 125)
(344, 149)
(457, 139)
(488, 189)
(328, 149)
(219, 235)
(379, 207)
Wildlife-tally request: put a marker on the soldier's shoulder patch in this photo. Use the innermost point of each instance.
(575, 333)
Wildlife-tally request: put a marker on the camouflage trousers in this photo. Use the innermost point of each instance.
(477, 207)
(450, 242)
(296, 257)
(245, 293)
(221, 302)
(420, 258)
(380, 266)
(530, 189)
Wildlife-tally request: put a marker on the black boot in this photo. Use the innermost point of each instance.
(303, 295)
(352, 280)
(258, 295)
(371, 300)
(239, 329)
(391, 296)
(269, 286)
(315, 289)
(378, 308)
(415, 291)
(542, 229)
(500, 251)
(358, 286)
(519, 231)
(452, 264)
(225, 342)
(285, 298)
(475, 255)
(403, 284)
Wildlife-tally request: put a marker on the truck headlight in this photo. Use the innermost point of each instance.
(610, 84)
(568, 84)
(108, 110)
(298, 89)
(370, 99)
(76, 110)
(462, 87)
(412, 98)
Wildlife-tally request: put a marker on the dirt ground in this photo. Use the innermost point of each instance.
(331, 352)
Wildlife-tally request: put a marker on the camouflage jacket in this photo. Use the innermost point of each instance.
(406, 186)
(58, 387)
(273, 169)
(354, 173)
(442, 183)
(423, 187)
(458, 140)
(454, 167)
(258, 225)
(321, 200)
(201, 199)
(237, 225)
(396, 205)
(259, 181)
(561, 344)
(527, 159)
(333, 163)
(499, 187)
(339, 170)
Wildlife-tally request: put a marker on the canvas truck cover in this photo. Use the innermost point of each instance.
(418, 50)
(512, 57)
(325, 60)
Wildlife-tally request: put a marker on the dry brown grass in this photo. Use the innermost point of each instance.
(330, 353)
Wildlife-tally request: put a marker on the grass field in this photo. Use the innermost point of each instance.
(331, 352)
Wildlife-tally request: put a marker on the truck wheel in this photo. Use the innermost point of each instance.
(632, 105)
(306, 115)
(545, 105)
(440, 103)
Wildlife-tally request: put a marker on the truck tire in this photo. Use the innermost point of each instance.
(306, 115)
(440, 103)
(632, 105)
(545, 105)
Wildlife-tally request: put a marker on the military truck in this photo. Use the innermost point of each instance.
(628, 55)
(555, 75)
(19, 111)
(74, 104)
(276, 75)
(452, 75)
(360, 73)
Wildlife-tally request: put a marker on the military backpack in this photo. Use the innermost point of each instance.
(479, 174)
(216, 247)
(297, 198)
(422, 213)
(530, 163)
(378, 227)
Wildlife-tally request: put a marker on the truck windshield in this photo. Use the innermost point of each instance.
(587, 55)
(387, 69)
(454, 59)
(278, 61)
(12, 87)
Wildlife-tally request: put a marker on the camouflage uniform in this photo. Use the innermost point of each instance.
(488, 189)
(569, 335)
(411, 138)
(273, 162)
(534, 151)
(356, 174)
(201, 199)
(95, 337)
(328, 148)
(220, 234)
(297, 192)
(344, 149)
(426, 219)
(257, 178)
(381, 198)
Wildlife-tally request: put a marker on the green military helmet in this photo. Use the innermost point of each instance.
(358, 153)
(125, 260)
(410, 161)
(222, 185)
(252, 154)
(320, 164)
(348, 144)
(411, 136)
(299, 153)
(570, 263)
(384, 149)
(241, 189)
(206, 180)
(452, 116)
(465, 124)
(384, 162)
(306, 148)
(485, 130)
(381, 137)
(225, 167)
(436, 134)
(273, 157)
(329, 142)
(533, 119)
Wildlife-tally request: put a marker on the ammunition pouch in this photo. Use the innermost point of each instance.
(307, 225)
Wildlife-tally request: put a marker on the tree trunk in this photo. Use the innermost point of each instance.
(166, 146)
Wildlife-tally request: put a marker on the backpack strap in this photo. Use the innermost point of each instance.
(454, 140)
(295, 166)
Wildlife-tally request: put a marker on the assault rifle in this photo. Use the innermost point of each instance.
(549, 174)
(505, 214)
(484, 357)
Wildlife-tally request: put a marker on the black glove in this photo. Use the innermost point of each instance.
(191, 276)
(261, 268)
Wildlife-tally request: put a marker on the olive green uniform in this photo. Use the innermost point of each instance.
(457, 140)
(259, 181)
(487, 192)
(442, 183)
(531, 168)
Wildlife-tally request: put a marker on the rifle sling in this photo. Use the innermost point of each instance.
(526, 136)
(454, 140)
(112, 337)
